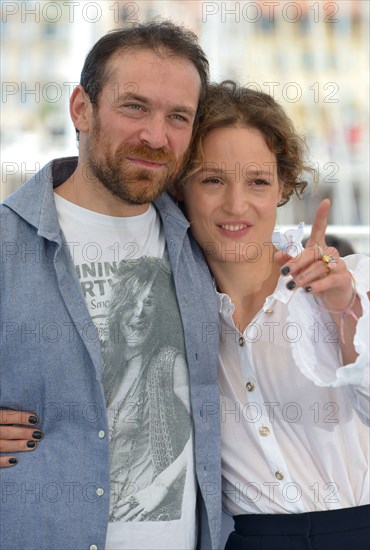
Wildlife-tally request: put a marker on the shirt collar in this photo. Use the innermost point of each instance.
(289, 241)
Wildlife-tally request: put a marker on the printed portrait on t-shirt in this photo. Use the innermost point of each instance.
(146, 386)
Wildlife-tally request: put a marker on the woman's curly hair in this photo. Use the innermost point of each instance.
(231, 105)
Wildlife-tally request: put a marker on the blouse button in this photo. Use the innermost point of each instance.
(279, 475)
(250, 386)
(241, 341)
(264, 431)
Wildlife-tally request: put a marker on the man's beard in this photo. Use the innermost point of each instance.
(131, 184)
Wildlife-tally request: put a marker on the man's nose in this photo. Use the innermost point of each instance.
(154, 132)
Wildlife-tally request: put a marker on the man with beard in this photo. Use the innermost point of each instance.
(69, 236)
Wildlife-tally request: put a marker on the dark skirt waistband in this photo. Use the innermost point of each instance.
(313, 523)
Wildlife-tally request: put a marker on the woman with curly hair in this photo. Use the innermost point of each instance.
(294, 360)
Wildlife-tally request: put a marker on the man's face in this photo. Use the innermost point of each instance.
(143, 123)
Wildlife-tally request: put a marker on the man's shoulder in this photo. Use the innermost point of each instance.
(34, 199)
(168, 209)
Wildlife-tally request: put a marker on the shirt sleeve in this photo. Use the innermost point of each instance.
(317, 353)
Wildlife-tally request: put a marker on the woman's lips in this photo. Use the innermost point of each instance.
(234, 229)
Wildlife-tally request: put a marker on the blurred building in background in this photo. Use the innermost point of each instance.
(313, 56)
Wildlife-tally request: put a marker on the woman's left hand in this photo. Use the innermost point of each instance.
(319, 269)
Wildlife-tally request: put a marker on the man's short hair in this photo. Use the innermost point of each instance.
(161, 37)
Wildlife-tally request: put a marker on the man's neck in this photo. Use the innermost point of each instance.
(93, 196)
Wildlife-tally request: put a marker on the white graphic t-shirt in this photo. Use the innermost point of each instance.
(126, 279)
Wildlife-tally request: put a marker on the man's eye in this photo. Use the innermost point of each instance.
(134, 106)
(179, 117)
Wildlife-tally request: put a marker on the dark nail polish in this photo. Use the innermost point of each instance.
(37, 435)
(285, 270)
(291, 285)
(13, 461)
(308, 288)
(31, 444)
(33, 419)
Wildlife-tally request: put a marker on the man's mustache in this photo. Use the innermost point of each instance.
(143, 152)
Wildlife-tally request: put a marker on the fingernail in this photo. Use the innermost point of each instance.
(308, 288)
(285, 270)
(291, 285)
(13, 461)
(33, 419)
(37, 435)
(31, 444)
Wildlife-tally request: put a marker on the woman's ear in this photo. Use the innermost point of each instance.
(177, 191)
(280, 193)
(80, 109)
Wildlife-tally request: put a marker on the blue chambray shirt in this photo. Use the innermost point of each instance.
(57, 497)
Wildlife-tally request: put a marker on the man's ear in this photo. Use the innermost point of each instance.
(80, 109)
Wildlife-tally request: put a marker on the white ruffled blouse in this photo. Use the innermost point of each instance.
(294, 420)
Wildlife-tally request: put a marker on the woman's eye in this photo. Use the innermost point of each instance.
(261, 182)
(212, 181)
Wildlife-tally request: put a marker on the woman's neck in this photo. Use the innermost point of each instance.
(248, 285)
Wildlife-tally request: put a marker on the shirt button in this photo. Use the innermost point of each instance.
(100, 491)
(241, 341)
(93, 547)
(264, 431)
(250, 386)
(279, 475)
(101, 434)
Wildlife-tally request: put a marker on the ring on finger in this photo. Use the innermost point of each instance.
(330, 263)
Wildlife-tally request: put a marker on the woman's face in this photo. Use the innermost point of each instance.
(231, 201)
(138, 317)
